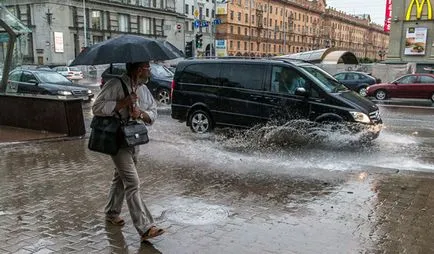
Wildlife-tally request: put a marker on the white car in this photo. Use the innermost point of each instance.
(71, 73)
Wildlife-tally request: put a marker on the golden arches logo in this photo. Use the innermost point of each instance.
(419, 8)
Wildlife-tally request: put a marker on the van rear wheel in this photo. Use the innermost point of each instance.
(200, 121)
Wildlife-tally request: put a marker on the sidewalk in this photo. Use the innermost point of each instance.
(14, 134)
(52, 196)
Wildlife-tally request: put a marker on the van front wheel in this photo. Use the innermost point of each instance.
(200, 121)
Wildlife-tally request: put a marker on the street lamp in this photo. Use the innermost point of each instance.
(84, 23)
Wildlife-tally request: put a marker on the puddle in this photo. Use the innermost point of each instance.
(190, 212)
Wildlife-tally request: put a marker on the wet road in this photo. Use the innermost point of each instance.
(223, 193)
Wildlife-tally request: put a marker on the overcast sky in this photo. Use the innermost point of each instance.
(375, 8)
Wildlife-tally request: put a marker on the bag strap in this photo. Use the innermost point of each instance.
(126, 93)
(124, 87)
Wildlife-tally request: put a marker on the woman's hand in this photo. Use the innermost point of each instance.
(128, 101)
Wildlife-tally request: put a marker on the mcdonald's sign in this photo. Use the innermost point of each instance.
(419, 5)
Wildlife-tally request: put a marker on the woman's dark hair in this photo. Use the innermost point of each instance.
(132, 67)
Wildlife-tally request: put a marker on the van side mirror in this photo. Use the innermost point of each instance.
(301, 91)
(34, 81)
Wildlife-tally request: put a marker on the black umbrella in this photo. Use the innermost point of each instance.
(127, 49)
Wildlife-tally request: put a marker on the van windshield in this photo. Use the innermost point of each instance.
(326, 81)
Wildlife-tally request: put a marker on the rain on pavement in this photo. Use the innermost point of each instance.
(231, 193)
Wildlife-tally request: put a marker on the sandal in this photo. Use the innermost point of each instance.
(151, 233)
(115, 220)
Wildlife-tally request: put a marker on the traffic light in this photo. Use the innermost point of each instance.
(199, 40)
(189, 49)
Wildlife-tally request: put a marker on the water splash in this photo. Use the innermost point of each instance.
(296, 133)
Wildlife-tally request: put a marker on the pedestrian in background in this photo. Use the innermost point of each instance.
(139, 105)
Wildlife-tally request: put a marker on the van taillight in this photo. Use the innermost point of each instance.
(173, 88)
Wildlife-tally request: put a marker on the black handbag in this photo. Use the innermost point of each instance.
(109, 133)
(105, 135)
(134, 133)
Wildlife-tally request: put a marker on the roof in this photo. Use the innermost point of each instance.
(325, 56)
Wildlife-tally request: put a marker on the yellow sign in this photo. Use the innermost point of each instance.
(419, 9)
(196, 13)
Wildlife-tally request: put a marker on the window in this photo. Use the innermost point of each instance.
(123, 23)
(426, 79)
(250, 76)
(232, 15)
(146, 26)
(286, 80)
(231, 44)
(192, 9)
(245, 45)
(239, 16)
(97, 20)
(186, 9)
(232, 29)
(247, 18)
(245, 31)
(207, 12)
(407, 80)
(207, 74)
(212, 14)
(15, 76)
(238, 45)
(28, 77)
(239, 30)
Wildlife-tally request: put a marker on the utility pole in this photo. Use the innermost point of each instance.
(214, 30)
(84, 23)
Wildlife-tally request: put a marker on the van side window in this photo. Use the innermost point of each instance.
(285, 80)
(205, 74)
(249, 76)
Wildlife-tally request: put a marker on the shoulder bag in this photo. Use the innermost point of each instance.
(109, 133)
(134, 133)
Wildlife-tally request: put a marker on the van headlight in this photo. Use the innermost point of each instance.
(360, 117)
(64, 93)
(89, 91)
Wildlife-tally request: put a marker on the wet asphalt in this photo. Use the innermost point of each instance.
(221, 193)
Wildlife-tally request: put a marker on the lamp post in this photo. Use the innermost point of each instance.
(84, 23)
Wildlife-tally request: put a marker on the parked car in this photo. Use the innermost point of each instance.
(415, 86)
(159, 84)
(356, 81)
(47, 83)
(241, 93)
(71, 73)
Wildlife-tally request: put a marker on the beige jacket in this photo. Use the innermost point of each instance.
(112, 91)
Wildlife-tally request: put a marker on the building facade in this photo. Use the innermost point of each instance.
(61, 29)
(200, 15)
(278, 27)
(411, 36)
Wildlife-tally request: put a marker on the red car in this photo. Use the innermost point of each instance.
(415, 86)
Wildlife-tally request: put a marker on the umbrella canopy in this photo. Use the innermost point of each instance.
(127, 49)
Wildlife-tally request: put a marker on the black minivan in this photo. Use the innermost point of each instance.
(244, 92)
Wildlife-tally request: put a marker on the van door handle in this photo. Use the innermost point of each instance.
(255, 97)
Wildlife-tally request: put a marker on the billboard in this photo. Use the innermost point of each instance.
(388, 16)
(58, 42)
(418, 6)
(415, 41)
